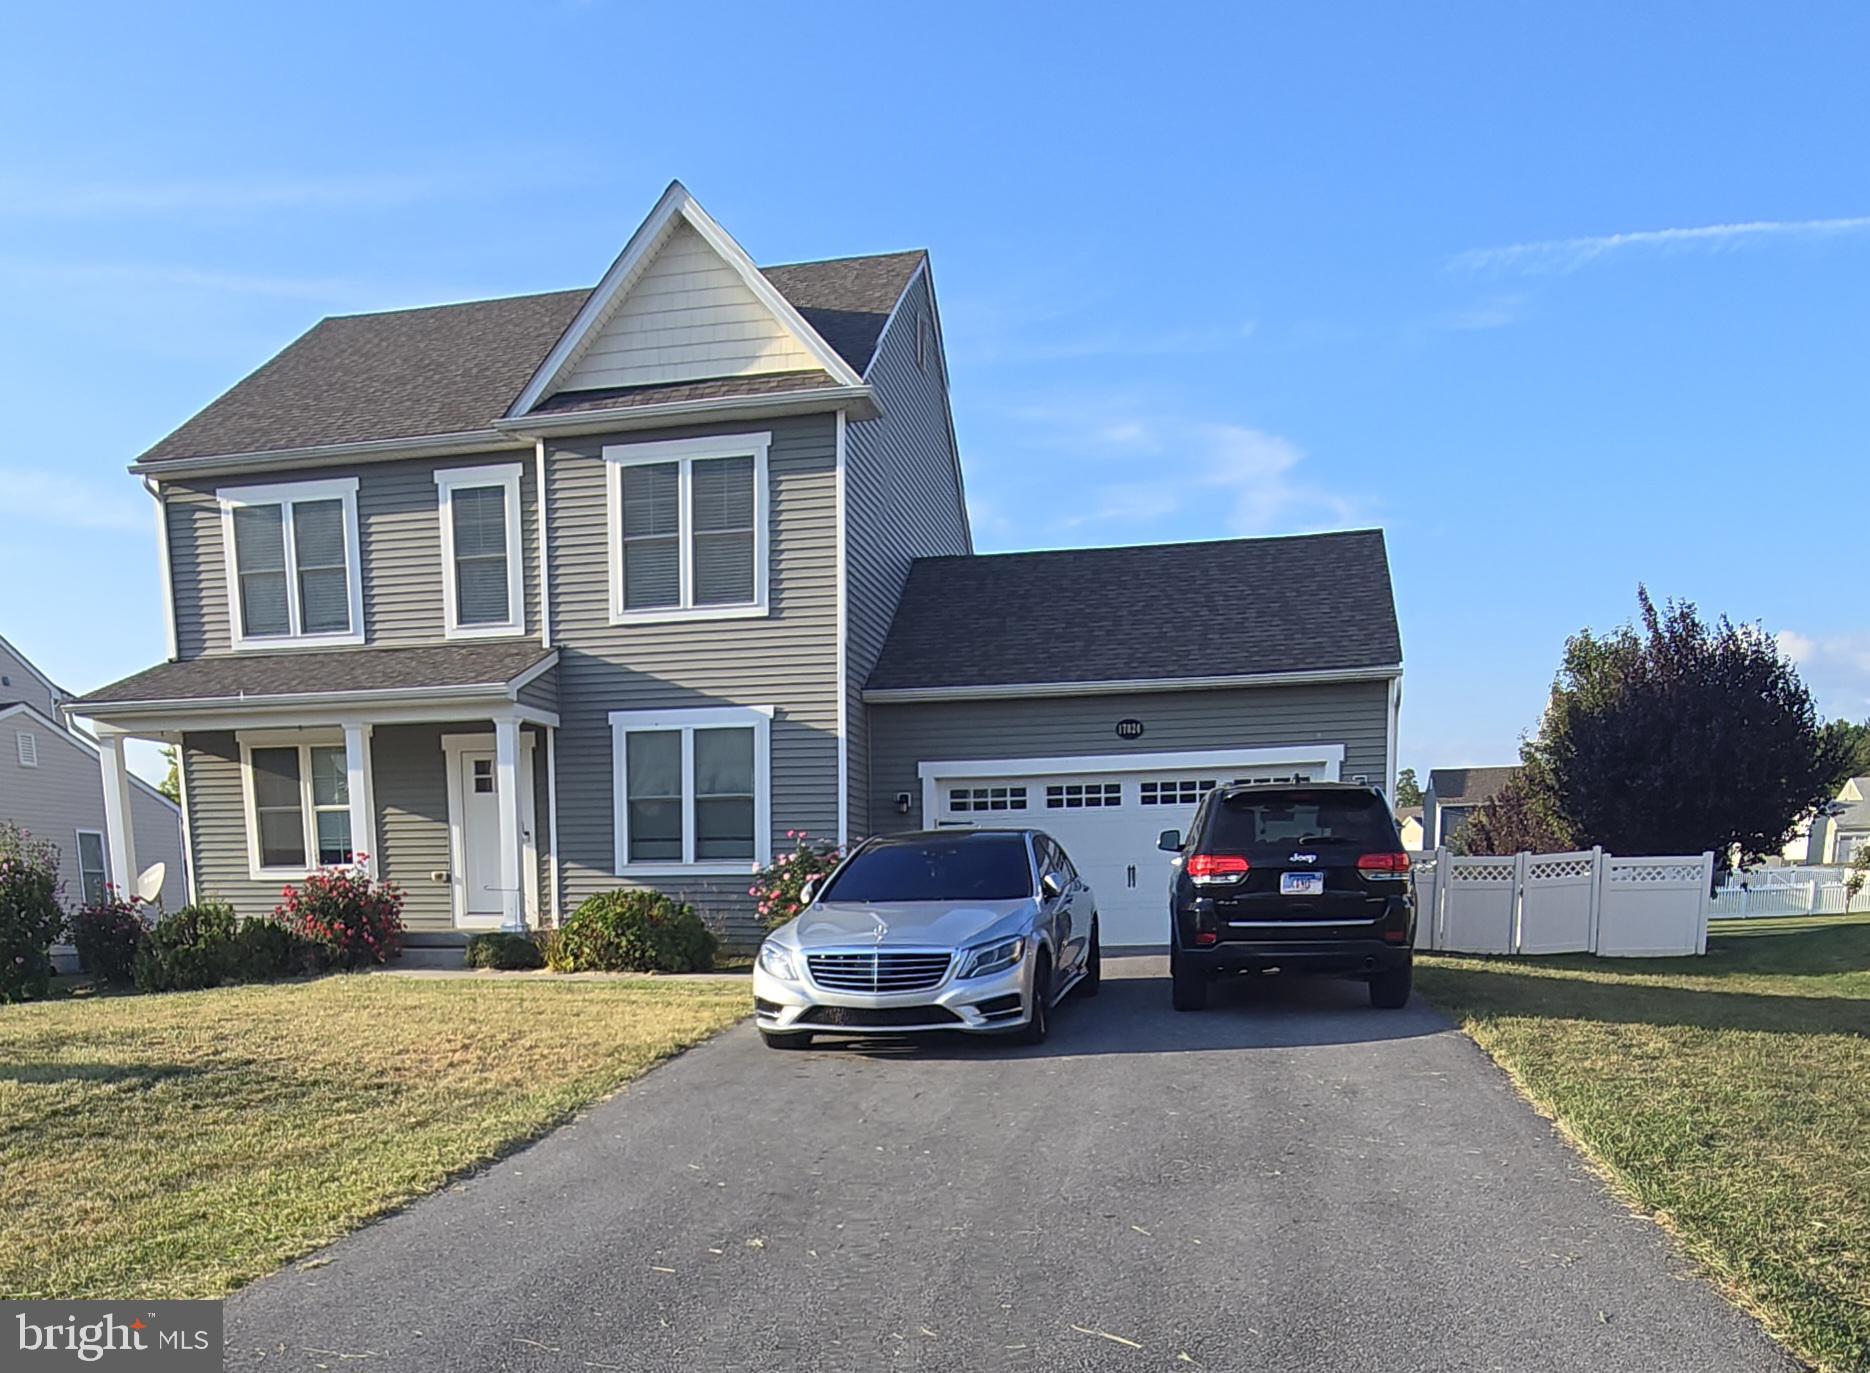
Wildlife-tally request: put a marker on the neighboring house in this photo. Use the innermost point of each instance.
(1836, 837)
(1409, 824)
(1454, 794)
(528, 599)
(49, 787)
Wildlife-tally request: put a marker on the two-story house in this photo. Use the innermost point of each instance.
(520, 600)
(49, 788)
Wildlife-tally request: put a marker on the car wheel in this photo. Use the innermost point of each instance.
(1389, 990)
(1188, 987)
(1039, 1025)
(1093, 966)
(796, 1040)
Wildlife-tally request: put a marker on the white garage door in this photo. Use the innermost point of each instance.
(1107, 822)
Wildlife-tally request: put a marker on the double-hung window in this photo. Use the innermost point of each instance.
(298, 802)
(481, 551)
(292, 564)
(692, 789)
(93, 871)
(688, 528)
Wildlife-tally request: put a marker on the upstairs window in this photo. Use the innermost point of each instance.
(292, 564)
(688, 528)
(481, 570)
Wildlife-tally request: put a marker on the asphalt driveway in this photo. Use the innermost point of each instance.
(1289, 1181)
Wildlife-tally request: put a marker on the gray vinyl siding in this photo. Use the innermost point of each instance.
(65, 794)
(20, 684)
(786, 659)
(1355, 714)
(399, 540)
(903, 501)
(542, 692)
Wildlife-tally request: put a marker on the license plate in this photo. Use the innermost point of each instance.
(1301, 884)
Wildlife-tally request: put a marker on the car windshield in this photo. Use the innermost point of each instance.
(1244, 822)
(966, 867)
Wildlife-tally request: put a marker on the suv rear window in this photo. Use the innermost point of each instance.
(1242, 822)
(967, 867)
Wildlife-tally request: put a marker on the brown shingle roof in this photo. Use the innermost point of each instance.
(1466, 785)
(449, 369)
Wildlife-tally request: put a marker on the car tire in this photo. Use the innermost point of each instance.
(1389, 989)
(1039, 1025)
(1093, 977)
(1188, 987)
(796, 1040)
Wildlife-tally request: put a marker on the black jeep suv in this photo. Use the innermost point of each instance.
(1307, 878)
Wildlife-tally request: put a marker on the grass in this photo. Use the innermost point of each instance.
(180, 1145)
(1729, 1096)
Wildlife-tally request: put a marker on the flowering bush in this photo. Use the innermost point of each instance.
(188, 949)
(107, 935)
(780, 887)
(30, 918)
(632, 931)
(358, 920)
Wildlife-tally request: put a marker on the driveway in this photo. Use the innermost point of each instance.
(1288, 1181)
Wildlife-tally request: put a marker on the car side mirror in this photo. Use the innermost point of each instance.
(1169, 841)
(1052, 885)
(809, 892)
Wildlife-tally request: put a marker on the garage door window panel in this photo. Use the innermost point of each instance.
(1083, 795)
(973, 800)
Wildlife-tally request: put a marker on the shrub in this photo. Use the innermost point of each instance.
(107, 936)
(264, 950)
(504, 952)
(188, 949)
(30, 917)
(633, 931)
(779, 888)
(357, 920)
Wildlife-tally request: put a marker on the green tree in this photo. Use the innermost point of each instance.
(1676, 735)
(1855, 742)
(1520, 817)
(171, 784)
(1408, 790)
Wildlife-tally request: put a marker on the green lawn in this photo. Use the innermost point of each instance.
(180, 1145)
(1727, 1095)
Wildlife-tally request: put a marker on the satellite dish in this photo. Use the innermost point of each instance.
(149, 885)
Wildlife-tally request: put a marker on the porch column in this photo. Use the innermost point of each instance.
(506, 792)
(357, 786)
(119, 823)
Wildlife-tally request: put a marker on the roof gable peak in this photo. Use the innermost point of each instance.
(682, 302)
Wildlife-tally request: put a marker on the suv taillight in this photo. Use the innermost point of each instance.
(1207, 868)
(1384, 864)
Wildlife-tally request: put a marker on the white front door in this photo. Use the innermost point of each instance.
(478, 806)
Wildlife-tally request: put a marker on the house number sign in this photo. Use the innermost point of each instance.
(1129, 729)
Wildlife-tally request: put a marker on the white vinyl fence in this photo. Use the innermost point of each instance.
(1788, 891)
(1584, 902)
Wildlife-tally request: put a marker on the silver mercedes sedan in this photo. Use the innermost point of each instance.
(979, 930)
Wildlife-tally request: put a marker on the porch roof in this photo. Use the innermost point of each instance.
(324, 676)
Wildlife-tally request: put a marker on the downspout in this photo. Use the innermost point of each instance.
(545, 566)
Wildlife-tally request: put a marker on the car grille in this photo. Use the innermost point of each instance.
(877, 1017)
(878, 971)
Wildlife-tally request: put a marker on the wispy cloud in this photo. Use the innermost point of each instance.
(1568, 254)
(1064, 345)
(1835, 666)
(67, 502)
(26, 271)
(22, 198)
(1246, 481)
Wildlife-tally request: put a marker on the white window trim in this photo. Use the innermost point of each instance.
(447, 480)
(77, 853)
(284, 494)
(626, 722)
(26, 744)
(685, 453)
(305, 741)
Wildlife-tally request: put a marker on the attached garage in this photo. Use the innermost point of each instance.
(1173, 669)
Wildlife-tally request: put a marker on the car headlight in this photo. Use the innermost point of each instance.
(777, 961)
(996, 957)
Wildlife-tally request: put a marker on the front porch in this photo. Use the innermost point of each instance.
(448, 797)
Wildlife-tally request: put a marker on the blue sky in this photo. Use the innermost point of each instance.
(1564, 298)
